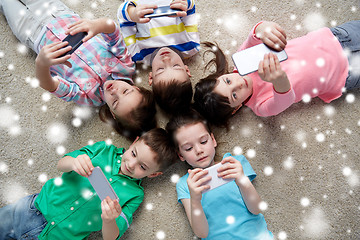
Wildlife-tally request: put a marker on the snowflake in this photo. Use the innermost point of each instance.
(282, 235)
(11, 67)
(108, 141)
(58, 181)
(60, 150)
(8, 116)
(320, 62)
(253, 9)
(30, 162)
(230, 219)
(306, 98)
(175, 178)
(251, 153)
(13, 192)
(149, 206)
(320, 137)
(82, 112)
(350, 98)
(237, 150)
(316, 224)
(314, 21)
(138, 80)
(160, 235)
(263, 206)
(288, 163)
(76, 122)
(268, 171)
(292, 17)
(3, 167)
(57, 133)
(42, 178)
(305, 202)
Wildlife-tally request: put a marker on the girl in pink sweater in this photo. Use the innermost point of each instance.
(317, 66)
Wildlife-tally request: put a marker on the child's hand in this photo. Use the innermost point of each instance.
(270, 71)
(272, 35)
(181, 5)
(49, 55)
(92, 27)
(195, 182)
(111, 209)
(137, 13)
(82, 165)
(231, 168)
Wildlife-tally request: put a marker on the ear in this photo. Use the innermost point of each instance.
(155, 174)
(181, 157)
(187, 70)
(236, 109)
(150, 78)
(213, 139)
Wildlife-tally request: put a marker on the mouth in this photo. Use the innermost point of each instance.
(109, 86)
(164, 53)
(201, 159)
(246, 82)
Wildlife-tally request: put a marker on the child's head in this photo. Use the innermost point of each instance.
(221, 94)
(170, 80)
(149, 155)
(129, 109)
(193, 139)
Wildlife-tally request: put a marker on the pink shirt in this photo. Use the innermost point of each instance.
(316, 66)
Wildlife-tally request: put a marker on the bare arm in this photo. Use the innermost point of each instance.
(111, 209)
(233, 169)
(81, 164)
(193, 208)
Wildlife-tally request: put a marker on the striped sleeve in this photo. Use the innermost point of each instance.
(123, 15)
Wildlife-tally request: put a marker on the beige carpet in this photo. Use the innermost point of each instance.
(307, 158)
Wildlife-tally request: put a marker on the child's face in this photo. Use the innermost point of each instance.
(235, 87)
(121, 97)
(167, 65)
(139, 161)
(196, 145)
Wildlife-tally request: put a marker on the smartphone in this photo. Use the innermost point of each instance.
(162, 11)
(215, 180)
(74, 41)
(101, 184)
(247, 61)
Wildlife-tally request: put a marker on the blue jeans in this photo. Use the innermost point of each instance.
(348, 35)
(27, 18)
(21, 220)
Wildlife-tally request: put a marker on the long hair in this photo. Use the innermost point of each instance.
(214, 107)
(140, 120)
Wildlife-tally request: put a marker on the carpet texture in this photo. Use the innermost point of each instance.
(306, 158)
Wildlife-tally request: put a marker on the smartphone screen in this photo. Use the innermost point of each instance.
(101, 185)
(215, 180)
(74, 41)
(247, 61)
(162, 11)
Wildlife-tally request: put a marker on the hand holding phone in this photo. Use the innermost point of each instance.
(162, 11)
(215, 180)
(101, 185)
(74, 41)
(247, 61)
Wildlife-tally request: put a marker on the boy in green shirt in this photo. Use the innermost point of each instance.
(68, 208)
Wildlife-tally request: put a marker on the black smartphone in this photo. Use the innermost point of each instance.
(162, 11)
(74, 41)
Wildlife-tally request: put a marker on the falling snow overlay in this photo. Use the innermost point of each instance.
(307, 158)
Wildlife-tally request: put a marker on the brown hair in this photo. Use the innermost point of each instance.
(181, 120)
(173, 96)
(214, 107)
(139, 120)
(160, 143)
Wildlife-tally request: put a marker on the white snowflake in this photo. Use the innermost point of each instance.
(320, 137)
(237, 150)
(60, 150)
(305, 202)
(268, 171)
(3, 167)
(314, 21)
(282, 235)
(288, 163)
(82, 112)
(230, 219)
(316, 224)
(149, 206)
(57, 133)
(251, 153)
(263, 206)
(76, 122)
(175, 178)
(160, 235)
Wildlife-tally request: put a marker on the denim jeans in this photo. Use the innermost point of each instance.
(21, 220)
(27, 18)
(348, 35)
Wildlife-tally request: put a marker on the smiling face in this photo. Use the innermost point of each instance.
(235, 87)
(121, 97)
(139, 161)
(167, 65)
(196, 145)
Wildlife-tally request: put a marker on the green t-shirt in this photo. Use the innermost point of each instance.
(70, 204)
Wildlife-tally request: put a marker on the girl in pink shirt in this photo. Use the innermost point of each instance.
(316, 67)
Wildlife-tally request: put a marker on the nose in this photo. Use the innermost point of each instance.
(238, 85)
(131, 164)
(198, 149)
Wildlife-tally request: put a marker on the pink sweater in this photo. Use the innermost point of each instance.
(316, 66)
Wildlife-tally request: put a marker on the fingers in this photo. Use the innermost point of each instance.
(88, 36)
(83, 165)
(70, 26)
(111, 209)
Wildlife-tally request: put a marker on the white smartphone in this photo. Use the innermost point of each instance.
(215, 180)
(162, 11)
(247, 60)
(101, 184)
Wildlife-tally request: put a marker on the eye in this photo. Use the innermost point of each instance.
(176, 65)
(114, 103)
(133, 154)
(125, 91)
(234, 95)
(142, 167)
(188, 149)
(204, 141)
(227, 81)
